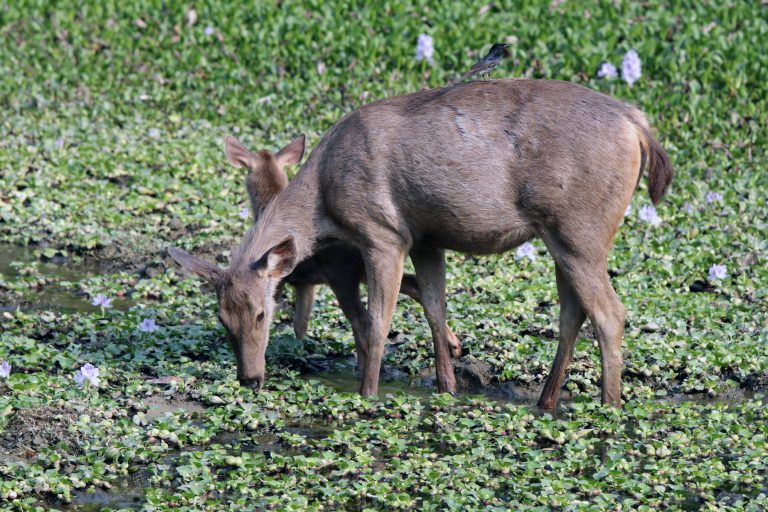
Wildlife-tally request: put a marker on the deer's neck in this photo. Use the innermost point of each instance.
(292, 213)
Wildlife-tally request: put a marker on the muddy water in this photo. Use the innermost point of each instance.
(51, 296)
(342, 377)
(158, 406)
(121, 496)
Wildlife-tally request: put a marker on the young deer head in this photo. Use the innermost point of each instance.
(266, 177)
(246, 292)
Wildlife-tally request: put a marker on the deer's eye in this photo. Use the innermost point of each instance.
(260, 317)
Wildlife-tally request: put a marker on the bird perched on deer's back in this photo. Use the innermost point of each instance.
(485, 66)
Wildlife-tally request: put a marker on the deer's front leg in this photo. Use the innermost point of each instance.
(384, 270)
(305, 299)
(344, 280)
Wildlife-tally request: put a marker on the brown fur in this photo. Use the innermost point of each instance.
(477, 167)
(266, 178)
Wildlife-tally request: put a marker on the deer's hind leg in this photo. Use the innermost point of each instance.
(410, 287)
(571, 319)
(430, 273)
(584, 268)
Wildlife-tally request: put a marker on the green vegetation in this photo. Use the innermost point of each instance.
(111, 135)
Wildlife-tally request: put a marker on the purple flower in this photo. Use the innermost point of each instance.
(688, 207)
(628, 211)
(527, 250)
(154, 133)
(714, 197)
(630, 67)
(649, 215)
(59, 143)
(87, 373)
(607, 70)
(148, 325)
(717, 272)
(102, 301)
(5, 369)
(208, 31)
(425, 49)
(244, 213)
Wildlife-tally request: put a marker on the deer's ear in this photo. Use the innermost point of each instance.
(292, 153)
(237, 154)
(198, 266)
(279, 261)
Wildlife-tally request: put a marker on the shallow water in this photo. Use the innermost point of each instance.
(52, 296)
(342, 377)
(123, 495)
(159, 405)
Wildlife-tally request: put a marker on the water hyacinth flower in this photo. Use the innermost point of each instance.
(425, 49)
(713, 197)
(148, 325)
(102, 301)
(630, 67)
(607, 70)
(87, 373)
(5, 369)
(717, 272)
(527, 250)
(244, 213)
(648, 214)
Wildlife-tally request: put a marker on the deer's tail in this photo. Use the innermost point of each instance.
(660, 170)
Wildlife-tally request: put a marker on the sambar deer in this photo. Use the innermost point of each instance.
(477, 167)
(339, 266)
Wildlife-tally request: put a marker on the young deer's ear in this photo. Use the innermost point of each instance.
(292, 153)
(196, 265)
(279, 261)
(237, 154)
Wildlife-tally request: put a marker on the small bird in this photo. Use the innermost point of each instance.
(485, 66)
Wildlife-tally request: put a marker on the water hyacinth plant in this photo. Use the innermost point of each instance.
(87, 373)
(5, 369)
(526, 250)
(148, 325)
(630, 67)
(648, 214)
(425, 49)
(717, 272)
(607, 70)
(102, 301)
(714, 197)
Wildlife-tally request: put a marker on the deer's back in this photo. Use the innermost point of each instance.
(480, 167)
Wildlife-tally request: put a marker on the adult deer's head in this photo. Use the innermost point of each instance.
(245, 291)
